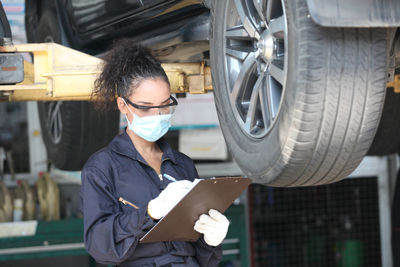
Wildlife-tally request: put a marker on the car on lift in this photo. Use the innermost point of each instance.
(299, 85)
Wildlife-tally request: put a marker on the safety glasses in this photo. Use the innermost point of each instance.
(150, 110)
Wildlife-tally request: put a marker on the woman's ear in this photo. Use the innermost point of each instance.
(122, 106)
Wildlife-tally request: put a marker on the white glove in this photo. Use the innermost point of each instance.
(168, 198)
(214, 227)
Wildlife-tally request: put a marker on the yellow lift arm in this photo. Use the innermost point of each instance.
(62, 73)
(395, 84)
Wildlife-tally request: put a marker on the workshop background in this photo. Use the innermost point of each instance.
(346, 224)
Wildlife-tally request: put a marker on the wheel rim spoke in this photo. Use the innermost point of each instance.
(251, 113)
(245, 70)
(264, 103)
(269, 100)
(260, 8)
(245, 16)
(268, 10)
(237, 33)
(57, 132)
(237, 52)
(277, 26)
(277, 73)
(54, 121)
(274, 98)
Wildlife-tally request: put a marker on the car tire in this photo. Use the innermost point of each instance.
(298, 104)
(71, 130)
(387, 138)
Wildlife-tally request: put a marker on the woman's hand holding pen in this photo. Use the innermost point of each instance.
(168, 198)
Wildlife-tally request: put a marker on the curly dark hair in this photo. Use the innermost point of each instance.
(125, 66)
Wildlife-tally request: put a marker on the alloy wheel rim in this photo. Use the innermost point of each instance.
(255, 52)
(54, 121)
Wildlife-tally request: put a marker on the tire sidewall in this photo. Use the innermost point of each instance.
(84, 130)
(48, 26)
(58, 152)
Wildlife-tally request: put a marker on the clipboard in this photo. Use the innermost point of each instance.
(214, 193)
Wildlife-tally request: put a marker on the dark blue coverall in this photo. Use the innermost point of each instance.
(112, 230)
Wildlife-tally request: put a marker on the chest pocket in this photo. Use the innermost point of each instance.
(126, 205)
(131, 197)
(133, 184)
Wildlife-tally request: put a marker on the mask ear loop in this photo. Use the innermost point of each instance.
(130, 111)
(126, 104)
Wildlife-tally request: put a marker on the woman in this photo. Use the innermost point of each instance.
(121, 184)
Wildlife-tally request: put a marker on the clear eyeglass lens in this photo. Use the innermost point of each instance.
(157, 111)
(167, 110)
(172, 109)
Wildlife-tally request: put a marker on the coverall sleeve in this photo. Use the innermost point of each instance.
(206, 255)
(110, 235)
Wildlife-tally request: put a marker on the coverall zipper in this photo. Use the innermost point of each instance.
(167, 244)
(160, 176)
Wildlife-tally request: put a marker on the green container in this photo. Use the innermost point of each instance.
(349, 253)
(47, 233)
(236, 253)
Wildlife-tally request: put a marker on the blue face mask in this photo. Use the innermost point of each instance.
(150, 128)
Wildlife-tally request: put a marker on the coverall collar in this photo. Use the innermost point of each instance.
(122, 144)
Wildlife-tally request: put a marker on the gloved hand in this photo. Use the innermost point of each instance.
(214, 226)
(168, 198)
